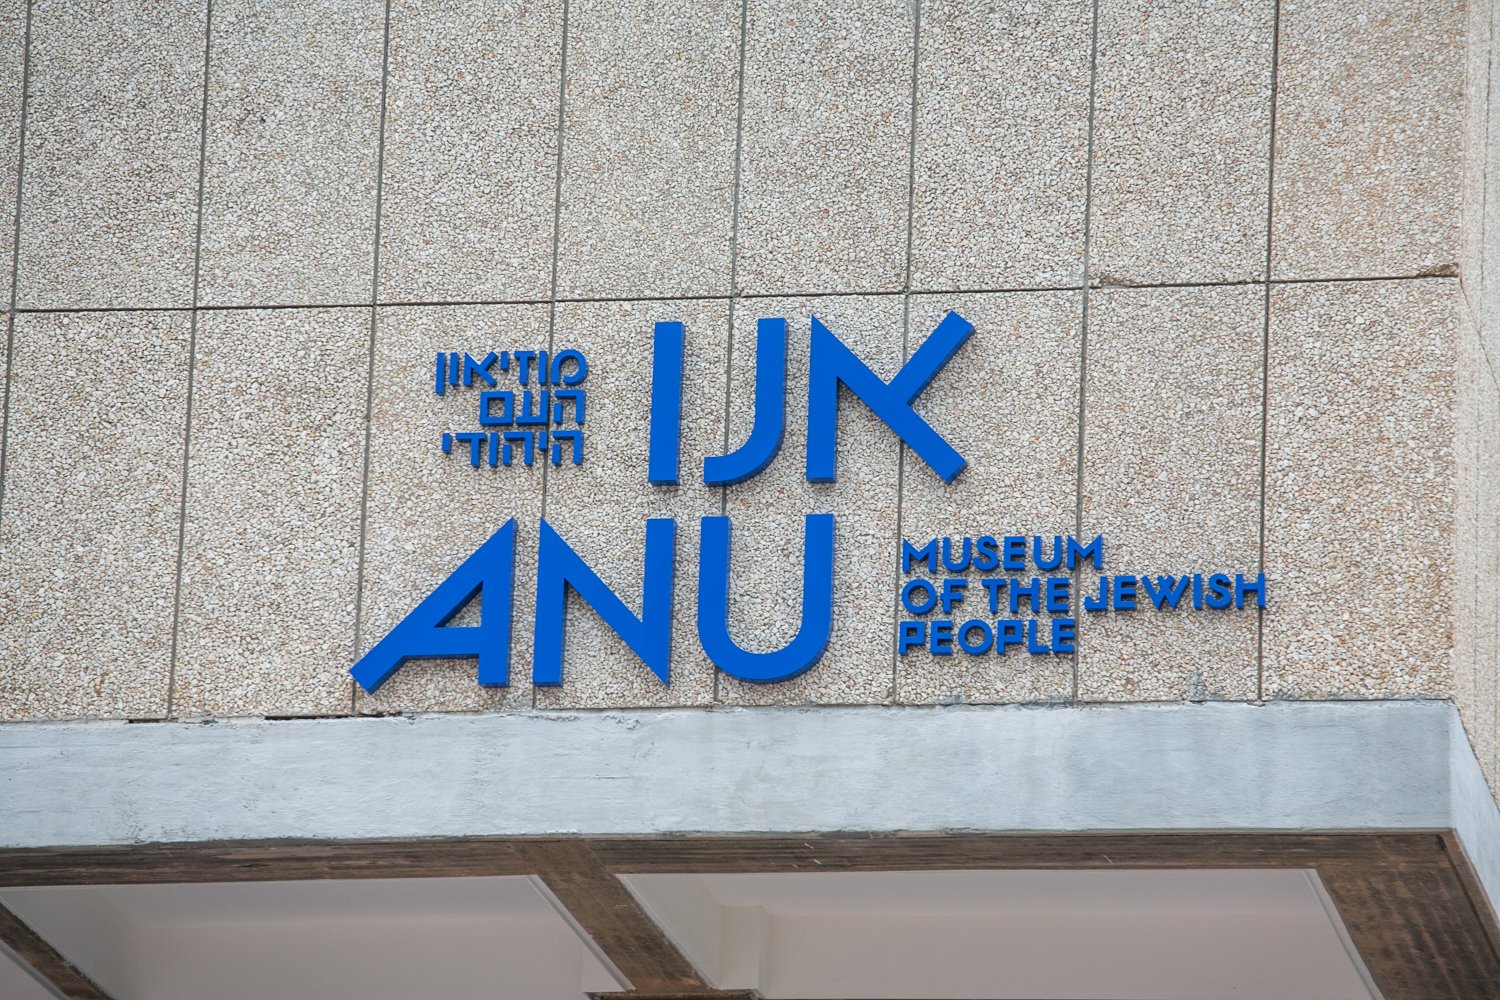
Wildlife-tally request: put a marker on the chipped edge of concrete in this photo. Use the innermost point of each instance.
(1292, 766)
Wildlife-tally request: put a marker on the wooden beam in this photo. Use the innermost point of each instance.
(289, 860)
(44, 959)
(1412, 904)
(959, 852)
(1415, 942)
(259, 861)
(609, 914)
(1473, 888)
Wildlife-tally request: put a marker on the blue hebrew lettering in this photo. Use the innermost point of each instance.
(525, 362)
(487, 417)
(480, 368)
(579, 373)
(666, 405)
(766, 433)
(560, 412)
(832, 364)
(476, 441)
(525, 438)
(532, 415)
(558, 437)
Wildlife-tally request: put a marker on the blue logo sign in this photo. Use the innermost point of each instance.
(546, 407)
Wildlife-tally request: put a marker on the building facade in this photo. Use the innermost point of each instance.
(640, 452)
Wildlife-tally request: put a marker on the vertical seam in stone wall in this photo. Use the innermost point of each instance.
(911, 200)
(364, 487)
(1471, 457)
(734, 264)
(1265, 352)
(1484, 190)
(1495, 610)
(1479, 571)
(187, 429)
(15, 256)
(1083, 340)
(562, 105)
(1484, 186)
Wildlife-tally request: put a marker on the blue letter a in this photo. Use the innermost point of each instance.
(832, 362)
(807, 647)
(425, 631)
(649, 636)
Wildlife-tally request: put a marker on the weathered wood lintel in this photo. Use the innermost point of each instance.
(45, 960)
(1409, 899)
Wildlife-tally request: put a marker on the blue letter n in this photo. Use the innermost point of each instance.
(649, 636)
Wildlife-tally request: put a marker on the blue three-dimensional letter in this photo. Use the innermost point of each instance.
(770, 418)
(807, 647)
(426, 632)
(649, 636)
(833, 363)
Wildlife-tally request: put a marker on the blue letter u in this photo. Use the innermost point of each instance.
(807, 647)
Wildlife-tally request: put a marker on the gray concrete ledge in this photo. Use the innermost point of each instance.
(1284, 766)
(1373, 765)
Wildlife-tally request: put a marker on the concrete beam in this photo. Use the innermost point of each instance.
(1284, 766)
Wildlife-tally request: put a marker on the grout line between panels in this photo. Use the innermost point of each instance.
(747, 296)
(562, 105)
(1494, 701)
(1490, 365)
(15, 260)
(911, 199)
(1476, 444)
(1476, 593)
(1265, 354)
(734, 265)
(1484, 205)
(1484, 175)
(187, 431)
(1083, 341)
(552, 300)
(374, 307)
